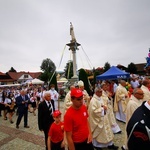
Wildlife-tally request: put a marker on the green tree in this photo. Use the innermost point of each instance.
(49, 72)
(106, 66)
(96, 73)
(48, 65)
(12, 70)
(69, 69)
(45, 76)
(83, 76)
(132, 68)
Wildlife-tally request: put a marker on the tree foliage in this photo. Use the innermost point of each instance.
(96, 73)
(132, 68)
(106, 66)
(12, 70)
(83, 76)
(69, 69)
(48, 65)
(49, 72)
(45, 76)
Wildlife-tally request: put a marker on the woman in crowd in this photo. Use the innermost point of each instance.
(10, 105)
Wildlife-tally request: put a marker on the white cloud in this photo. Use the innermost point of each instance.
(109, 31)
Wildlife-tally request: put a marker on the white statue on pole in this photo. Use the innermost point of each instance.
(73, 39)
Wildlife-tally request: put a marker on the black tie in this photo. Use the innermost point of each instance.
(50, 108)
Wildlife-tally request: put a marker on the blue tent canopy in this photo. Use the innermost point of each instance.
(113, 73)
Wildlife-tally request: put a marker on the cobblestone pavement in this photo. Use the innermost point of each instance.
(31, 138)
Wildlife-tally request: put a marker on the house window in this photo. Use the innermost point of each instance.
(26, 76)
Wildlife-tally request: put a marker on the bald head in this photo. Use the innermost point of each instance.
(138, 93)
(146, 82)
(123, 82)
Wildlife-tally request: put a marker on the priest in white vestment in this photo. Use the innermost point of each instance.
(99, 122)
(106, 96)
(135, 101)
(120, 102)
(145, 87)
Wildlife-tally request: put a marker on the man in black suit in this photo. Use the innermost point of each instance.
(22, 104)
(45, 111)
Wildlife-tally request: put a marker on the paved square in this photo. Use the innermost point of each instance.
(19, 144)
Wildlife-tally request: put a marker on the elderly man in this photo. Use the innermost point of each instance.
(86, 97)
(120, 102)
(67, 101)
(45, 111)
(145, 87)
(134, 102)
(22, 103)
(106, 95)
(99, 122)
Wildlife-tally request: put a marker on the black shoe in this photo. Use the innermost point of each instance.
(120, 121)
(119, 132)
(26, 127)
(97, 148)
(113, 147)
(122, 148)
(17, 126)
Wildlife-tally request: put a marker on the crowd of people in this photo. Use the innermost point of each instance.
(86, 121)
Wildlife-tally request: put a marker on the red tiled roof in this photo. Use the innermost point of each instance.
(2, 74)
(17, 75)
(35, 74)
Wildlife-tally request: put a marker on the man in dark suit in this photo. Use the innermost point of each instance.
(22, 104)
(45, 111)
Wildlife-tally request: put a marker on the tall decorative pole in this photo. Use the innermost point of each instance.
(73, 46)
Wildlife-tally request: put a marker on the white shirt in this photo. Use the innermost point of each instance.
(135, 84)
(54, 94)
(147, 105)
(7, 101)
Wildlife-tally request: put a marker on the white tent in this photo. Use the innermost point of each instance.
(61, 82)
(37, 81)
(64, 80)
(9, 85)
